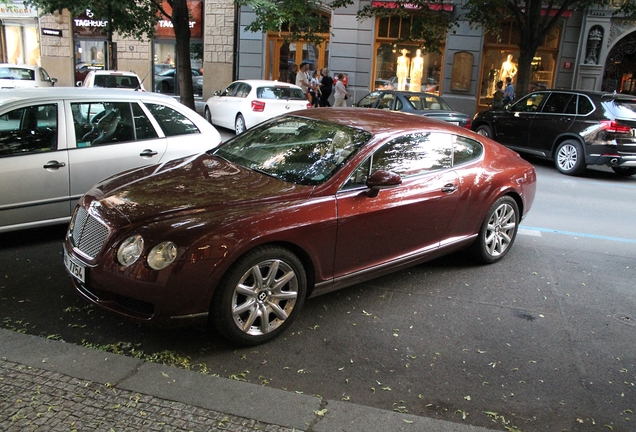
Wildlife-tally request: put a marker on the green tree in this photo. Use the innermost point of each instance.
(137, 19)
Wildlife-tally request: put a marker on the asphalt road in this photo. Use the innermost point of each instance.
(542, 341)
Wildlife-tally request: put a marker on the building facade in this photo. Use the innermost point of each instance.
(593, 50)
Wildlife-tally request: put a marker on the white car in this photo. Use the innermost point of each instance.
(112, 79)
(23, 76)
(246, 103)
(56, 143)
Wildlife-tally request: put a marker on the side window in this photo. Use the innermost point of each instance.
(243, 90)
(415, 154)
(556, 103)
(230, 90)
(571, 108)
(585, 105)
(358, 177)
(529, 103)
(172, 122)
(386, 102)
(143, 127)
(27, 130)
(465, 150)
(368, 100)
(100, 123)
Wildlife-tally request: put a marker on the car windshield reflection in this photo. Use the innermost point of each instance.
(296, 150)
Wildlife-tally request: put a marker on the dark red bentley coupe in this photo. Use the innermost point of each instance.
(298, 206)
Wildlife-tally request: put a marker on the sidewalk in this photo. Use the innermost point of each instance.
(55, 386)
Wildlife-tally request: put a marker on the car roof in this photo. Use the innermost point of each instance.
(114, 72)
(376, 121)
(98, 93)
(22, 66)
(262, 83)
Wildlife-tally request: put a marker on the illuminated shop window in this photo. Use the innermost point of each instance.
(501, 59)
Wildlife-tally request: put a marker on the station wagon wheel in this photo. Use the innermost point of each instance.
(208, 115)
(484, 130)
(239, 124)
(498, 231)
(260, 296)
(569, 158)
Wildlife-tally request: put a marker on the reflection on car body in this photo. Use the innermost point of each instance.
(297, 206)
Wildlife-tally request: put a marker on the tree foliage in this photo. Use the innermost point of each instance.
(137, 19)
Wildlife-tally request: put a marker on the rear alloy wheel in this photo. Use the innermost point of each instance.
(624, 171)
(239, 124)
(260, 296)
(498, 231)
(569, 158)
(484, 130)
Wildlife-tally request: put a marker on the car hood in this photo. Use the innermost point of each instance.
(199, 184)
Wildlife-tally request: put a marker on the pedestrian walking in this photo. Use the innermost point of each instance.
(340, 95)
(326, 87)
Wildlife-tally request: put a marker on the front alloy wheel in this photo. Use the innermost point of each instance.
(260, 297)
(498, 231)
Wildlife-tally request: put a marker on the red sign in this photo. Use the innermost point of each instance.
(567, 65)
(164, 26)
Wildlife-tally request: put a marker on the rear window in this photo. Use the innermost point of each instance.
(625, 108)
(17, 73)
(274, 92)
(116, 81)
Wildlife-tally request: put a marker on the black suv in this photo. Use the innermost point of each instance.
(574, 128)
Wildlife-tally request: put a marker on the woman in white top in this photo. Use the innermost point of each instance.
(340, 93)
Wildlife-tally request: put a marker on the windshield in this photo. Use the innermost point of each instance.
(17, 73)
(294, 149)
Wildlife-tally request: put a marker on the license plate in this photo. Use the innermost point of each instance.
(454, 123)
(73, 268)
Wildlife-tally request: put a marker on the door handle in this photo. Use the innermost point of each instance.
(148, 153)
(54, 165)
(449, 188)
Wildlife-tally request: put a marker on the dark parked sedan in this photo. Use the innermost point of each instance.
(297, 206)
(424, 104)
(572, 128)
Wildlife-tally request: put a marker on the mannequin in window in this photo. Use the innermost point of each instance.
(417, 69)
(508, 69)
(402, 71)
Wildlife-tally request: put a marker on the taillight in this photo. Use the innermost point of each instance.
(613, 127)
(468, 123)
(258, 106)
(309, 105)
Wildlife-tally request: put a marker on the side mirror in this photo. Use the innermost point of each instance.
(382, 179)
(79, 84)
(53, 81)
(217, 93)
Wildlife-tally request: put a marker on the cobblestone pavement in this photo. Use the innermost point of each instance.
(34, 399)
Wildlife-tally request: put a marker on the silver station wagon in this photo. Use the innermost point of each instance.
(56, 143)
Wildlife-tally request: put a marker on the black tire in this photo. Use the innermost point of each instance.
(239, 124)
(208, 115)
(624, 171)
(498, 231)
(249, 292)
(484, 130)
(569, 158)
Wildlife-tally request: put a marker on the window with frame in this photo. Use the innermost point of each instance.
(31, 129)
(101, 123)
(171, 121)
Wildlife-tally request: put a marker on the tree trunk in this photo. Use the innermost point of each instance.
(181, 23)
(524, 74)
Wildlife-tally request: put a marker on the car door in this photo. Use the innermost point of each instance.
(34, 165)
(110, 137)
(556, 116)
(512, 126)
(403, 221)
(223, 107)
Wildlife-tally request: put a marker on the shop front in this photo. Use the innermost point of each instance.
(19, 34)
(91, 45)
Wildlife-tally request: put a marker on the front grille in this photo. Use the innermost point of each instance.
(87, 233)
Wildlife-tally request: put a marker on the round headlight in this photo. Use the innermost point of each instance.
(162, 255)
(130, 250)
